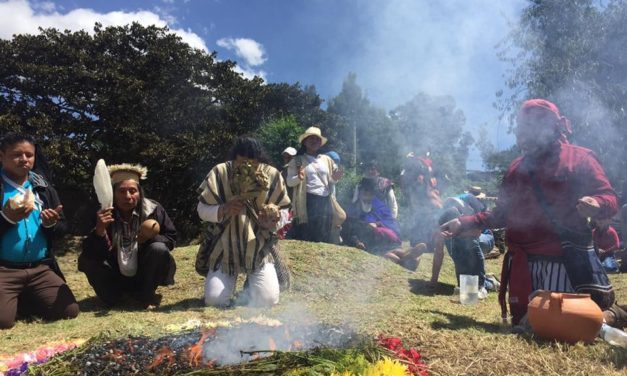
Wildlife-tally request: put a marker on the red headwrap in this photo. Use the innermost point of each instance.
(562, 124)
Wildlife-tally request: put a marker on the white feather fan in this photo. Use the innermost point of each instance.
(102, 185)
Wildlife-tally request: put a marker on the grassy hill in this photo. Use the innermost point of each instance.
(340, 285)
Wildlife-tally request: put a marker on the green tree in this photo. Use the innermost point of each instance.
(126, 94)
(362, 126)
(572, 52)
(278, 134)
(434, 124)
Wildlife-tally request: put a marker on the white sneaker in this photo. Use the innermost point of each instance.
(483, 293)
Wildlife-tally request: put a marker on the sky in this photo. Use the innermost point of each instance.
(397, 48)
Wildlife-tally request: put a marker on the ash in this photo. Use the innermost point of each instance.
(186, 352)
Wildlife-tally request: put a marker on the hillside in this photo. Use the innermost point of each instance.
(348, 287)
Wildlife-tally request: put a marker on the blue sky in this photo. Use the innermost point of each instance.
(397, 48)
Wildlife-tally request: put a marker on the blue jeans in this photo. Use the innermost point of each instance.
(467, 257)
(486, 241)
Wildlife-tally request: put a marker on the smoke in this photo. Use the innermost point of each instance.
(439, 48)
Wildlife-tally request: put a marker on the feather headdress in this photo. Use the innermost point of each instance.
(126, 171)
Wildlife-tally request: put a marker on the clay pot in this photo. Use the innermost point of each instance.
(148, 230)
(565, 317)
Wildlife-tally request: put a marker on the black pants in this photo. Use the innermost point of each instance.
(34, 291)
(156, 267)
(318, 226)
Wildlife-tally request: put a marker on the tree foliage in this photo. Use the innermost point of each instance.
(434, 125)
(572, 52)
(368, 125)
(278, 134)
(133, 94)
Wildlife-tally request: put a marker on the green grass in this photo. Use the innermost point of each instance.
(345, 286)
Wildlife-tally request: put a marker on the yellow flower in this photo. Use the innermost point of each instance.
(345, 373)
(386, 367)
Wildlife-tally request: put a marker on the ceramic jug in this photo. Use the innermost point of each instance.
(564, 317)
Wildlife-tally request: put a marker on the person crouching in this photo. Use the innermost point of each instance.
(126, 251)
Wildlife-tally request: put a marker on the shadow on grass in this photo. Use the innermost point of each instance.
(94, 304)
(456, 322)
(182, 305)
(100, 309)
(426, 288)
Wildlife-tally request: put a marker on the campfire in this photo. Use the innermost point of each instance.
(205, 348)
(243, 346)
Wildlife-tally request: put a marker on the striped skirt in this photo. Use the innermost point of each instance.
(549, 275)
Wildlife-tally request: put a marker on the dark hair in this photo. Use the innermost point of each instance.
(11, 139)
(367, 185)
(41, 167)
(371, 164)
(248, 147)
(302, 150)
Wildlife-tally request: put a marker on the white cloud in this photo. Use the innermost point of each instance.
(24, 17)
(45, 6)
(250, 73)
(248, 49)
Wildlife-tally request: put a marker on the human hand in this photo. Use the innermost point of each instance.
(451, 228)
(232, 208)
(337, 174)
(588, 206)
(301, 173)
(372, 224)
(50, 217)
(104, 218)
(17, 214)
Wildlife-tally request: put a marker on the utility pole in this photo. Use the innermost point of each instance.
(355, 144)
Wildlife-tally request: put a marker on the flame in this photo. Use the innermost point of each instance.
(164, 353)
(296, 345)
(116, 355)
(271, 344)
(194, 352)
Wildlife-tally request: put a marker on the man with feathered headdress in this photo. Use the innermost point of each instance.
(128, 250)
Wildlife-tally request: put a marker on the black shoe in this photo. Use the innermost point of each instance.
(616, 316)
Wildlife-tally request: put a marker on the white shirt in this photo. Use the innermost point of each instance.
(317, 176)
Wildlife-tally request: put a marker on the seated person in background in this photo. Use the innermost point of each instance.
(605, 240)
(126, 251)
(486, 242)
(371, 227)
(464, 250)
(32, 217)
(384, 188)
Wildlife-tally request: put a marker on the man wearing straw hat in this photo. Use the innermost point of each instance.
(128, 250)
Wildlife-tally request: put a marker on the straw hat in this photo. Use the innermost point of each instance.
(312, 131)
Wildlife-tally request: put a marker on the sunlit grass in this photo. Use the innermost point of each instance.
(339, 285)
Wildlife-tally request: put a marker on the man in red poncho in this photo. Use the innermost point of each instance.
(546, 200)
